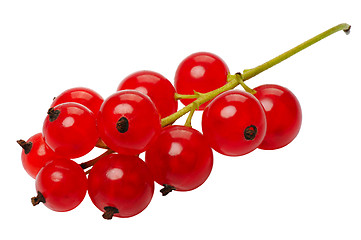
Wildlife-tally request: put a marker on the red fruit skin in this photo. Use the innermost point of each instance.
(85, 96)
(181, 157)
(63, 184)
(201, 72)
(283, 113)
(123, 182)
(157, 87)
(143, 119)
(225, 119)
(74, 132)
(38, 156)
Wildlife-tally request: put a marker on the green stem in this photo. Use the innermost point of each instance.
(196, 95)
(241, 82)
(249, 73)
(178, 96)
(189, 118)
(199, 101)
(257, 70)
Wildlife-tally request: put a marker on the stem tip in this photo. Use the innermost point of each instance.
(347, 31)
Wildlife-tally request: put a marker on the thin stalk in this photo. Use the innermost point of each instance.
(241, 82)
(178, 96)
(257, 70)
(90, 163)
(199, 101)
(189, 118)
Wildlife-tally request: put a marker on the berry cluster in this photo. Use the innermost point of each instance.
(139, 118)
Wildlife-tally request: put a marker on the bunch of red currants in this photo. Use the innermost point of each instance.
(138, 118)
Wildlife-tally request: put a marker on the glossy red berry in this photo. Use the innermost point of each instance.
(61, 185)
(201, 72)
(234, 123)
(157, 87)
(85, 96)
(128, 122)
(70, 130)
(180, 159)
(283, 113)
(36, 153)
(120, 185)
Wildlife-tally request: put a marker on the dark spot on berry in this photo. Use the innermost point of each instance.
(167, 189)
(38, 199)
(122, 125)
(250, 132)
(25, 145)
(53, 114)
(109, 212)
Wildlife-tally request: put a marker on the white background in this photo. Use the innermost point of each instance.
(310, 189)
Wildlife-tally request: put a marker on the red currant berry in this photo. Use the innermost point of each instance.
(70, 130)
(120, 185)
(234, 123)
(201, 72)
(158, 88)
(128, 122)
(283, 113)
(180, 159)
(61, 185)
(36, 153)
(85, 96)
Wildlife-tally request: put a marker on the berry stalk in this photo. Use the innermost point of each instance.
(90, 163)
(201, 98)
(235, 80)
